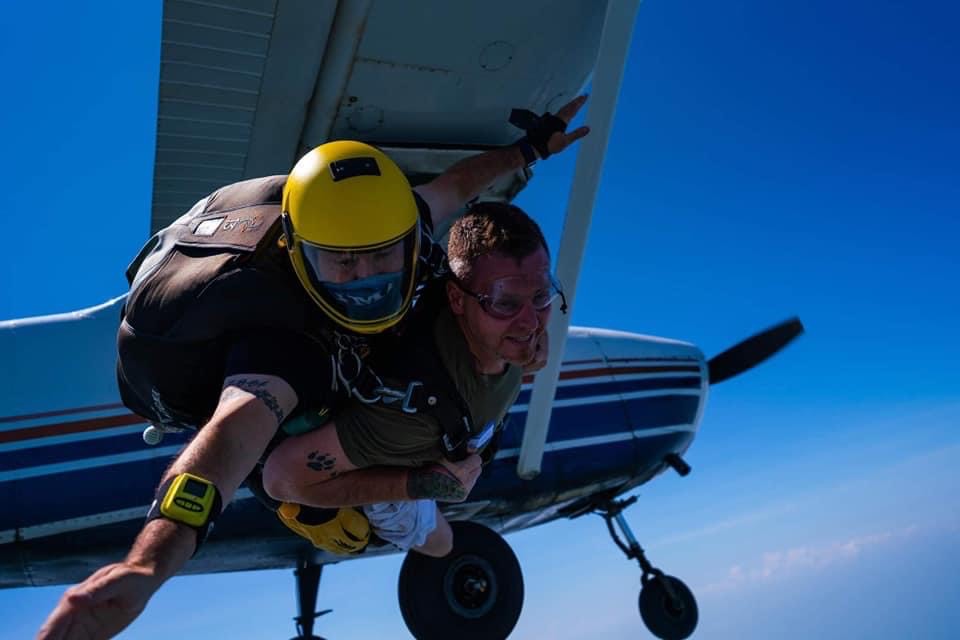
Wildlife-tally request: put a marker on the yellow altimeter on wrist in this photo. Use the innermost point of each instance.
(188, 499)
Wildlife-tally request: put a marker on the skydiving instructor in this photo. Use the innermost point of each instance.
(216, 461)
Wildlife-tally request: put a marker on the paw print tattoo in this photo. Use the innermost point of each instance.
(320, 461)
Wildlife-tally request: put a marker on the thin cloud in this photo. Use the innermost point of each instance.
(749, 518)
(774, 565)
(938, 458)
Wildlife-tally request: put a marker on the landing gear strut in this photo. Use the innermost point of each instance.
(308, 583)
(667, 606)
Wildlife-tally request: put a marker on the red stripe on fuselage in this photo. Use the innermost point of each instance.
(64, 428)
(582, 361)
(627, 359)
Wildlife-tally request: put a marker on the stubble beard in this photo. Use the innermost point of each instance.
(522, 358)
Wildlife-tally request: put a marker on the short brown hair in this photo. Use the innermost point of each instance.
(492, 227)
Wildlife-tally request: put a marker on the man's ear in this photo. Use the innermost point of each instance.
(455, 298)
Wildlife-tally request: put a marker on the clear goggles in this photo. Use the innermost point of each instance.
(368, 285)
(505, 297)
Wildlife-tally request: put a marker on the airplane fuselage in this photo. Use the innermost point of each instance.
(76, 477)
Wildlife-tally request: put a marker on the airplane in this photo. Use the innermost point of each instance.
(246, 89)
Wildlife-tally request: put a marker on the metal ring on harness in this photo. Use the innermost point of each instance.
(349, 381)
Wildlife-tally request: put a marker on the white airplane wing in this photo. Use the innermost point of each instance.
(246, 89)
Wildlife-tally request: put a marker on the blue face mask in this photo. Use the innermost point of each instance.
(370, 298)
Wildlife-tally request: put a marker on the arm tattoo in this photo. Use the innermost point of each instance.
(255, 388)
(435, 482)
(321, 461)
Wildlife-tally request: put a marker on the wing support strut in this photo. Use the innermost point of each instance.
(607, 77)
(334, 76)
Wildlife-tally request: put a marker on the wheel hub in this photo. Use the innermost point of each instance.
(475, 586)
(470, 586)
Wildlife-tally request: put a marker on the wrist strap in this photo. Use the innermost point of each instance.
(189, 500)
(538, 128)
(529, 155)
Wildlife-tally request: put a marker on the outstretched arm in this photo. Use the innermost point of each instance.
(224, 452)
(465, 180)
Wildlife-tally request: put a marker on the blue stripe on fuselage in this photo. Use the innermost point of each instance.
(95, 447)
(661, 411)
(581, 421)
(97, 490)
(81, 449)
(618, 386)
(573, 472)
(576, 468)
(72, 494)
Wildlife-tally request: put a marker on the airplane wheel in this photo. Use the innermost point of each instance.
(474, 593)
(663, 618)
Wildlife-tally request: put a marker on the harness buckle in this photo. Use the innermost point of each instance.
(389, 396)
(407, 406)
(455, 450)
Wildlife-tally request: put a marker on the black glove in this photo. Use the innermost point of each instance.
(538, 130)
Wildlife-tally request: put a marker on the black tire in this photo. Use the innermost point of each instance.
(662, 617)
(474, 593)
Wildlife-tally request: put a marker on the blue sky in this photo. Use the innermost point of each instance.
(767, 159)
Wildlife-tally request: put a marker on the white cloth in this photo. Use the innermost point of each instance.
(405, 524)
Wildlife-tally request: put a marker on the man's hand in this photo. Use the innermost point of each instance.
(102, 605)
(444, 481)
(560, 140)
(541, 353)
(450, 191)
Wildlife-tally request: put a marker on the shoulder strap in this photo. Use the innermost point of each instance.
(411, 356)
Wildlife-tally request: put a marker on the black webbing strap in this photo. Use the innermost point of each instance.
(412, 356)
(538, 129)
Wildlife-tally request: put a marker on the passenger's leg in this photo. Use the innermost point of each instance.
(416, 525)
(440, 541)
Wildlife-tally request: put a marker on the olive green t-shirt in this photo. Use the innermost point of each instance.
(378, 435)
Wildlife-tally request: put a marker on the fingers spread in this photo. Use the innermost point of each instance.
(560, 141)
(576, 134)
(569, 110)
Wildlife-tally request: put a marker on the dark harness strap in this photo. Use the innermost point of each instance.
(410, 355)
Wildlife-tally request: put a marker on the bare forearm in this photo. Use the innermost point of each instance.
(220, 456)
(474, 174)
(466, 179)
(163, 547)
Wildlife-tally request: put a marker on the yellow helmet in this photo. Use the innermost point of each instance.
(352, 230)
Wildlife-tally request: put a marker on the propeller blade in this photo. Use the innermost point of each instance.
(752, 351)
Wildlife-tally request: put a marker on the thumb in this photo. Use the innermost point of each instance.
(79, 598)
